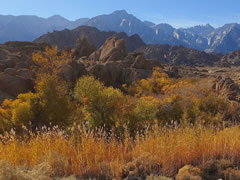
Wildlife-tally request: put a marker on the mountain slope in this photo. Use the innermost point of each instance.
(226, 39)
(121, 21)
(203, 37)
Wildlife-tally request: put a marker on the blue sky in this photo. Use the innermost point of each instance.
(179, 13)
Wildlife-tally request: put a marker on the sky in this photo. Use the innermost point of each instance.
(178, 13)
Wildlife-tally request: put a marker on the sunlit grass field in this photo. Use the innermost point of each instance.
(160, 152)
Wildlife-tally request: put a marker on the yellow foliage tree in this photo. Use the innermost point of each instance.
(50, 62)
(50, 103)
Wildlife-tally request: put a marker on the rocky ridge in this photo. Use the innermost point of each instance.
(68, 38)
(179, 55)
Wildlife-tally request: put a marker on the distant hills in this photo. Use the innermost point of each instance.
(224, 39)
(28, 28)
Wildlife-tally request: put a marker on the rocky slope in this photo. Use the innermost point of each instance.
(69, 37)
(15, 62)
(111, 63)
(179, 55)
(225, 39)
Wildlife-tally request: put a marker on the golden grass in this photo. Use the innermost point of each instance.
(161, 152)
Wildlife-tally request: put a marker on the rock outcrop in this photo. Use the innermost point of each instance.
(226, 87)
(113, 65)
(15, 73)
(14, 85)
(112, 50)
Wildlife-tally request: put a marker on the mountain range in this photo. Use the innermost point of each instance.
(224, 39)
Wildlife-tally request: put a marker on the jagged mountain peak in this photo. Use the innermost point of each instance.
(120, 12)
(164, 26)
(209, 26)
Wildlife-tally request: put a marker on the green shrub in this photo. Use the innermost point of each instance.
(102, 105)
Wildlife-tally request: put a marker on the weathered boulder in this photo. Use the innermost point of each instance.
(14, 85)
(112, 50)
(10, 71)
(113, 73)
(73, 71)
(141, 63)
(24, 73)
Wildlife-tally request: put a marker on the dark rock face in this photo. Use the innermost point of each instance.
(179, 55)
(226, 87)
(68, 38)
